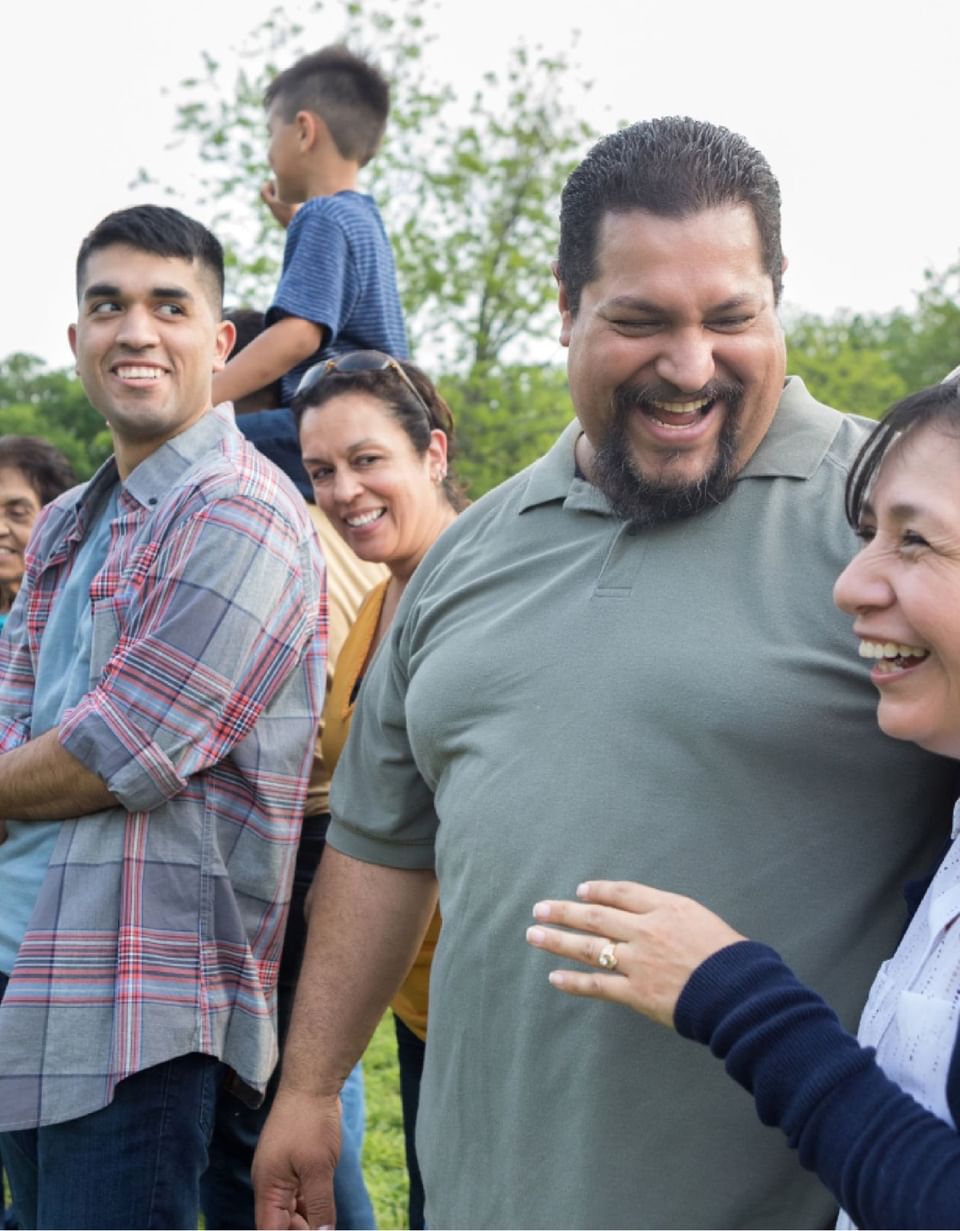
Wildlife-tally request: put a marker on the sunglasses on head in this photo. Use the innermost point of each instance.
(358, 361)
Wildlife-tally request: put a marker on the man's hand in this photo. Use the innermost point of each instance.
(295, 1161)
(280, 209)
(362, 908)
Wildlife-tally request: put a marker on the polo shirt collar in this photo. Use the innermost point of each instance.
(796, 442)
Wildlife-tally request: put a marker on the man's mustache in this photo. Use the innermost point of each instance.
(628, 397)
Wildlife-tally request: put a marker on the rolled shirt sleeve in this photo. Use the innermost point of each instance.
(211, 630)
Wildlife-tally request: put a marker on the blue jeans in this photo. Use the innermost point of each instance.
(135, 1163)
(226, 1192)
(410, 1053)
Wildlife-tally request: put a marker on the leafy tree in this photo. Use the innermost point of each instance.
(865, 361)
(470, 197)
(922, 346)
(855, 378)
(506, 418)
(52, 404)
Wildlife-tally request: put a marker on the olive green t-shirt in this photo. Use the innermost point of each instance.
(562, 698)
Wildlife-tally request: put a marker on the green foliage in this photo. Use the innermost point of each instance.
(506, 418)
(856, 380)
(52, 404)
(862, 362)
(470, 193)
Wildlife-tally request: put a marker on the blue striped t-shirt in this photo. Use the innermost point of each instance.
(339, 272)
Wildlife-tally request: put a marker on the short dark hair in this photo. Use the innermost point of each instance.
(937, 404)
(249, 324)
(350, 95)
(159, 229)
(400, 403)
(45, 468)
(673, 167)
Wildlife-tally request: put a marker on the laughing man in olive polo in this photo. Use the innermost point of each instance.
(624, 662)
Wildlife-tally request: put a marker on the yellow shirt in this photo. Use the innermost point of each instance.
(410, 1002)
(349, 580)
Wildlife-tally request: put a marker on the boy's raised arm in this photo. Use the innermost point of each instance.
(269, 357)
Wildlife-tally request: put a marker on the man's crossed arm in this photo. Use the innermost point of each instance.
(41, 781)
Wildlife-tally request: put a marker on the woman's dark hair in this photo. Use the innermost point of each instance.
(937, 404)
(417, 418)
(44, 467)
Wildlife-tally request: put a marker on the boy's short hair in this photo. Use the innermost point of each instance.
(249, 324)
(164, 231)
(350, 95)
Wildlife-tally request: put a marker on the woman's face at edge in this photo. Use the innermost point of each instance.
(903, 588)
(19, 508)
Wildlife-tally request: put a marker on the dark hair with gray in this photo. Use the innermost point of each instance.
(672, 167)
(161, 230)
(45, 468)
(417, 418)
(938, 404)
(349, 94)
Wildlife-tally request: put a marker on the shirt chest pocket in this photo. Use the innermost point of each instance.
(914, 1034)
(116, 596)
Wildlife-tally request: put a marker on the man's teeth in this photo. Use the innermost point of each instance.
(890, 649)
(682, 408)
(139, 373)
(364, 519)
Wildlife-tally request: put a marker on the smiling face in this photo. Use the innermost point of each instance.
(382, 497)
(903, 589)
(677, 358)
(19, 506)
(147, 343)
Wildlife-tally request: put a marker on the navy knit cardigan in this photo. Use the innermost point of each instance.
(888, 1162)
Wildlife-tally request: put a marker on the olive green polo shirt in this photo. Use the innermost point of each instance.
(563, 698)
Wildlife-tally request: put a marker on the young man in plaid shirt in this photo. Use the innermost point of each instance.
(161, 679)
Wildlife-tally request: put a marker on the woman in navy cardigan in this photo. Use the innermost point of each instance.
(874, 1116)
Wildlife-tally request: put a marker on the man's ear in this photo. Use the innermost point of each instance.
(563, 303)
(72, 338)
(226, 337)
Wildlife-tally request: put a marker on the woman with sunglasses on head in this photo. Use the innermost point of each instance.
(377, 442)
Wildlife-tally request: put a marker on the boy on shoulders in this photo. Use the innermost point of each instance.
(326, 117)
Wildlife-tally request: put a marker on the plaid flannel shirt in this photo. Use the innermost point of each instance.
(159, 925)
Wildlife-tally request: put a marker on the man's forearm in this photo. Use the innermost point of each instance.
(366, 926)
(268, 357)
(41, 781)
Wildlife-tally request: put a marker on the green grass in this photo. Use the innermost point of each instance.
(384, 1166)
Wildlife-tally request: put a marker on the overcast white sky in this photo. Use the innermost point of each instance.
(854, 103)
